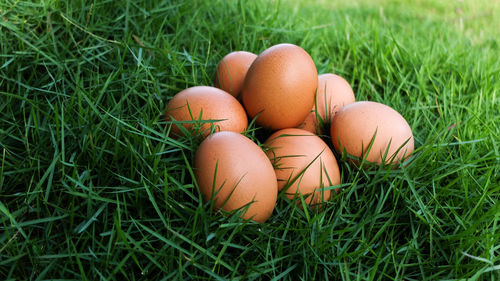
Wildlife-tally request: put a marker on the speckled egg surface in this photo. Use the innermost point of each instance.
(210, 105)
(304, 164)
(357, 124)
(280, 86)
(231, 71)
(235, 172)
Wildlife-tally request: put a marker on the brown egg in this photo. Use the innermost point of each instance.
(206, 103)
(310, 124)
(304, 164)
(279, 87)
(354, 127)
(243, 175)
(231, 71)
(333, 93)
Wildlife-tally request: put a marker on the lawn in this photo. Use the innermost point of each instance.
(92, 186)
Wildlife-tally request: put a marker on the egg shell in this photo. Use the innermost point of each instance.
(206, 103)
(304, 163)
(333, 93)
(355, 125)
(280, 87)
(231, 71)
(310, 124)
(243, 175)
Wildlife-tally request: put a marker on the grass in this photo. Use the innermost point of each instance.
(93, 188)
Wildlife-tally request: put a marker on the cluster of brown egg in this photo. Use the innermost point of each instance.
(280, 90)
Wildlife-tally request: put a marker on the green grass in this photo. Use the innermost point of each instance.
(93, 188)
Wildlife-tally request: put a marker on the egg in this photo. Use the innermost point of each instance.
(231, 71)
(304, 164)
(311, 123)
(279, 87)
(355, 126)
(235, 173)
(210, 105)
(333, 93)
